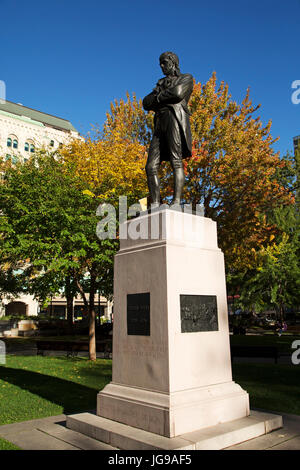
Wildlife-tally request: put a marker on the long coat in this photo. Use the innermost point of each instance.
(174, 93)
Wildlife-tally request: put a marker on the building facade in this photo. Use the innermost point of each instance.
(22, 130)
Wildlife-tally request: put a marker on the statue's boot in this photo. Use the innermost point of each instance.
(153, 185)
(179, 178)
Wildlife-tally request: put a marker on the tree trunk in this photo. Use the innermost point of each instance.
(281, 313)
(90, 306)
(92, 333)
(70, 308)
(92, 322)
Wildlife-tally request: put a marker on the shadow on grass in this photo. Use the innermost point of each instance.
(271, 387)
(72, 397)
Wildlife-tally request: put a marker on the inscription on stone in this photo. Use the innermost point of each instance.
(138, 314)
(198, 313)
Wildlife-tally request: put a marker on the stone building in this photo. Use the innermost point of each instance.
(23, 129)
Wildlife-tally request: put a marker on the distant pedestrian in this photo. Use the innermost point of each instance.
(279, 328)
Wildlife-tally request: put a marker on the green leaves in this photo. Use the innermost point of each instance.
(49, 222)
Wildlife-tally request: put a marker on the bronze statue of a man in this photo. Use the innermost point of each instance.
(172, 138)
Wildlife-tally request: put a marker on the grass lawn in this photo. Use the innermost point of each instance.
(272, 387)
(35, 386)
(283, 343)
(5, 445)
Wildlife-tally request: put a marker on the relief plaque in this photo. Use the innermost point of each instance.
(138, 314)
(198, 313)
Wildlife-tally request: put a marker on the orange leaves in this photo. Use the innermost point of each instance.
(233, 167)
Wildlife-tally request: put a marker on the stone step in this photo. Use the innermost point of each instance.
(34, 439)
(217, 437)
(73, 438)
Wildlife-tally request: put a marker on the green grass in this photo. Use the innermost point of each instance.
(271, 387)
(283, 342)
(5, 445)
(35, 386)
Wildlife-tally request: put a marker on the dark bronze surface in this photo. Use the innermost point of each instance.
(172, 138)
(198, 313)
(138, 314)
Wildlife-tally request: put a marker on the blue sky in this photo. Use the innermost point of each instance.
(72, 58)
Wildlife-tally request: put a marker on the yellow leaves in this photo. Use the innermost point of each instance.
(88, 193)
(109, 167)
(6, 266)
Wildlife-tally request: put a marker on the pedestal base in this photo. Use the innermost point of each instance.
(172, 414)
(217, 437)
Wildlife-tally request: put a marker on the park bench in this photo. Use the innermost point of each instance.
(255, 351)
(72, 348)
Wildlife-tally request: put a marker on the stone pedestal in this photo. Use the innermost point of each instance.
(171, 351)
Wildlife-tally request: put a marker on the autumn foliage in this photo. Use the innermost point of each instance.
(232, 172)
(112, 164)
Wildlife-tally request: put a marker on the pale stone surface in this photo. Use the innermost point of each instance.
(213, 438)
(179, 412)
(74, 438)
(171, 382)
(37, 440)
(287, 438)
(122, 436)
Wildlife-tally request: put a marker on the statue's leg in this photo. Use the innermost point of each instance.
(174, 138)
(152, 167)
(179, 178)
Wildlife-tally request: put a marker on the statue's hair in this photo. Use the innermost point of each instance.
(173, 57)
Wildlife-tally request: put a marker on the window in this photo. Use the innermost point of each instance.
(51, 143)
(32, 148)
(9, 142)
(15, 144)
(12, 158)
(26, 147)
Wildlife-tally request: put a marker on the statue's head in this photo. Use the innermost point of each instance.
(169, 63)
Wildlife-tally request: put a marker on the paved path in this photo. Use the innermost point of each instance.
(51, 434)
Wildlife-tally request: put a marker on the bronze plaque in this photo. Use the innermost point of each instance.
(198, 313)
(138, 314)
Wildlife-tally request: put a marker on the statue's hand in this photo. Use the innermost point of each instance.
(150, 102)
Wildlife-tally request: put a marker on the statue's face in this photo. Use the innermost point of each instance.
(167, 66)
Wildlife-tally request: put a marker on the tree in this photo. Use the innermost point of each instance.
(110, 168)
(275, 281)
(49, 222)
(233, 170)
(128, 121)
